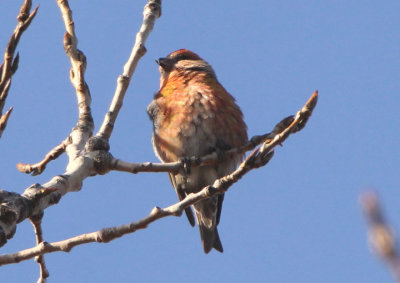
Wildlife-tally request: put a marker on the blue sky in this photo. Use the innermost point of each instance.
(295, 220)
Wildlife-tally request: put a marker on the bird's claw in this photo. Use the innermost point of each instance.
(186, 165)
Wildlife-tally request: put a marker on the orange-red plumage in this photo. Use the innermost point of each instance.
(194, 115)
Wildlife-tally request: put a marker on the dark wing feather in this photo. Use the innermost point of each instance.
(181, 196)
(219, 206)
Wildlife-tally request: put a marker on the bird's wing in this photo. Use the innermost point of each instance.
(181, 196)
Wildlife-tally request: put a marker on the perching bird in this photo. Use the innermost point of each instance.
(193, 115)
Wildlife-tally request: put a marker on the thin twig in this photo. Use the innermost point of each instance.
(151, 12)
(37, 225)
(24, 20)
(10, 64)
(4, 119)
(256, 159)
(78, 67)
(380, 234)
(39, 167)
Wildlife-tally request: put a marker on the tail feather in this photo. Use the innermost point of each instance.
(210, 239)
(207, 215)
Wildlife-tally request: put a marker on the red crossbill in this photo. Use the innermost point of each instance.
(193, 115)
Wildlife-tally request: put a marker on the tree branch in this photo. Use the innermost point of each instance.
(4, 119)
(151, 12)
(84, 128)
(88, 155)
(380, 234)
(37, 225)
(10, 64)
(39, 167)
(258, 158)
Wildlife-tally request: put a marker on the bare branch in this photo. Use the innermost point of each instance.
(151, 12)
(4, 119)
(24, 20)
(380, 234)
(88, 155)
(84, 128)
(37, 225)
(10, 64)
(256, 159)
(75, 142)
(39, 167)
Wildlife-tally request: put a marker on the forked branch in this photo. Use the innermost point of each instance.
(88, 155)
(258, 158)
(75, 142)
(151, 13)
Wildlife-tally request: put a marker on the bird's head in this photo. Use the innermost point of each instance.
(182, 60)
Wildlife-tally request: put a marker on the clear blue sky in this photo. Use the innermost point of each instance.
(296, 220)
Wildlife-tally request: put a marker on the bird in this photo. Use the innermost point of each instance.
(193, 115)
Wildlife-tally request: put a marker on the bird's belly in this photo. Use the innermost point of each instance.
(183, 137)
